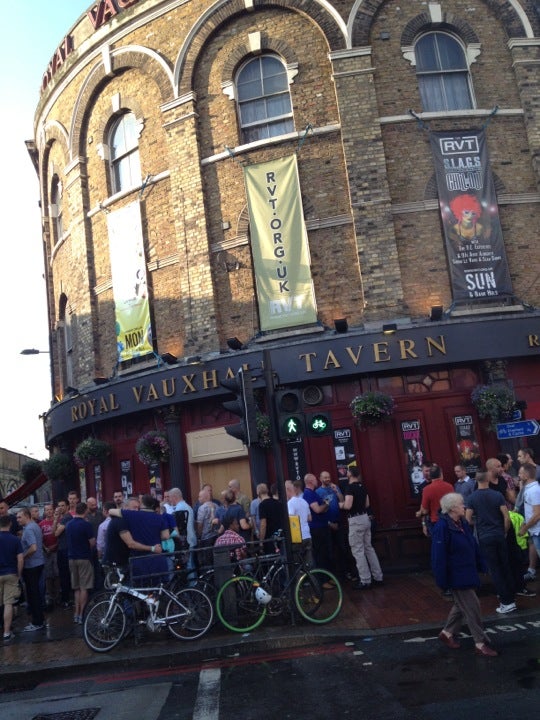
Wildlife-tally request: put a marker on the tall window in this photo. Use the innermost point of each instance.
(57, 207)
(124, 147)
(264, 102)
(443, 73)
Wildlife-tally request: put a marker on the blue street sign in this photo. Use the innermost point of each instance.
(523, 428)
(517, 415)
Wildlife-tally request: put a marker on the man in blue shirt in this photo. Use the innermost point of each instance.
(34, 561)
(11, 568)
(488, 508)
(145, 529)
(80, 544)
(341, 556)
(320, 532)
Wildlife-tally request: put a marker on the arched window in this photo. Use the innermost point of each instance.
(124, 152)
(443, 73)
(264, 101)
(57, 208)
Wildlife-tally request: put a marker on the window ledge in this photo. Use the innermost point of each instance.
(240, 149)
(104, 204)
(474, 112)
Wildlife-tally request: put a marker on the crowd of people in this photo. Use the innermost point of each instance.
(58, 559)
(489, 524)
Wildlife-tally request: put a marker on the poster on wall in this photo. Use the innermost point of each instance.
(82, 484)
(125, 478)
(279, 244)
(98, 490)
(155, 481)
(413, 447)
(467, 445)
(344, 454)
(470, 216)
(296, 460)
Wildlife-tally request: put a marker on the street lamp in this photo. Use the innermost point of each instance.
(33, 351)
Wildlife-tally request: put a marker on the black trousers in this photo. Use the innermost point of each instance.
(32, 577)
(322, 547)
(64, 574)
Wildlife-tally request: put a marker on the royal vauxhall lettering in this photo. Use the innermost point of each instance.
(105, 10)
(58, 59)
(90, 407)
(99, 14)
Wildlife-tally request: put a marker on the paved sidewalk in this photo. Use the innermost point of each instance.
(405, 602)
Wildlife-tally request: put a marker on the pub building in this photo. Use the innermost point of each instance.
(335, 199)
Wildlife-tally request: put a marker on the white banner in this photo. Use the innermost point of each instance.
(128, 269)
(279, 245)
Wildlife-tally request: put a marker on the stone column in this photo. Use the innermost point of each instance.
(191, 228)
(526, 62)
(176, 455)
(368, 185)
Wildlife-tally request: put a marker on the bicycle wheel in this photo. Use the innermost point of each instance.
(190, 614)
(318, 596)
(104, 625)
(237, 607)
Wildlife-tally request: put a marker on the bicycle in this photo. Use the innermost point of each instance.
(244, 601)
(187, 614)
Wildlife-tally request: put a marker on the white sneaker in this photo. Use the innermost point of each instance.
(503, 609)
(32, 628)
(529, 576)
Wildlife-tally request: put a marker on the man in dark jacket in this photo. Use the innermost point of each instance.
(456, 561)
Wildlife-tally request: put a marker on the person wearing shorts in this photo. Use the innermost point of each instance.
(80, 542)
(11, 567)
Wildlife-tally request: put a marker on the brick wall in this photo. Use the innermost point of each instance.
(371, 256)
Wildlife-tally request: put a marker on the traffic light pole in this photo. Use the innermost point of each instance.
(276, 451)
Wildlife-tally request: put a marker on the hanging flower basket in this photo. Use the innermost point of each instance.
(153, 447)
(59, 467)
(372, 408)
(91, 450)
(263, 429)
(31, 470)
(495, 403)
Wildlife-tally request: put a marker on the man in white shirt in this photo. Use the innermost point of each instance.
(296, 505)
(177, 503)
(531, 499)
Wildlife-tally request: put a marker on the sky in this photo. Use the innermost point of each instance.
(32, 31)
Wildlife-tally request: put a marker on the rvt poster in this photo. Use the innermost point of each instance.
(413, 448)
(470, 216)
(467, 445)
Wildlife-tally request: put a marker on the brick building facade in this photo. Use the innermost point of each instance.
(166, 76)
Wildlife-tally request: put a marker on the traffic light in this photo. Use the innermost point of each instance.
(318, 424)
(244, 406)
(290, 418)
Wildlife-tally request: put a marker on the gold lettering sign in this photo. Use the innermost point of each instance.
(380, 352)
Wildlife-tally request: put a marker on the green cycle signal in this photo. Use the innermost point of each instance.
(319, 424)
